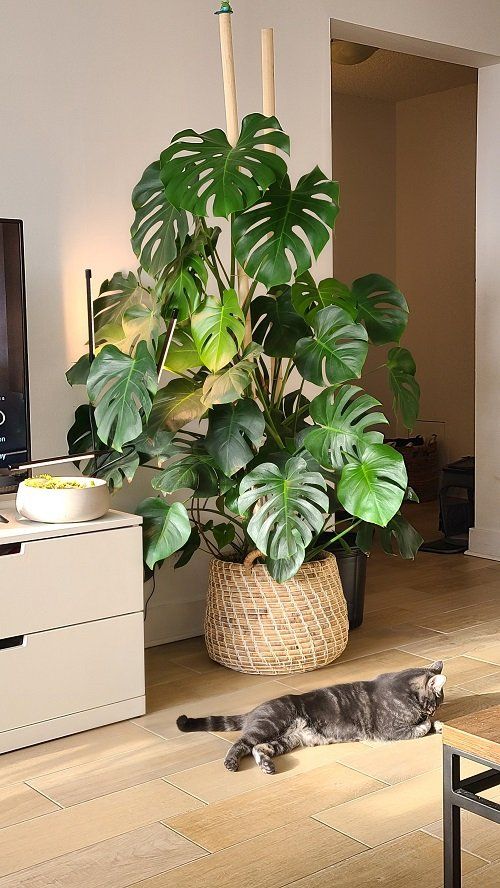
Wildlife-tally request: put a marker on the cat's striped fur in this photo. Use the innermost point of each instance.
(394, 706)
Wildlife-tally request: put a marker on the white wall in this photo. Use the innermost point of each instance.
(91, 91)
(485, 537)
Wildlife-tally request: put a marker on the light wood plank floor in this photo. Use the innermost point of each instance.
(140, 804)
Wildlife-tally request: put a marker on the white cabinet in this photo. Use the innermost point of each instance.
(71, 626)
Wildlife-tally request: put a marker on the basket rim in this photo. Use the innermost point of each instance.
(326, 556)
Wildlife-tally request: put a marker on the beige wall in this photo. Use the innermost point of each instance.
(435, 250)
(364, 162)
(91, 91)
(407, 177)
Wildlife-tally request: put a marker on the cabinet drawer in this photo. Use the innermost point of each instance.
(64, 671)
(73, 579)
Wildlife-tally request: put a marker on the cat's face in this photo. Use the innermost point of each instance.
(430, 687)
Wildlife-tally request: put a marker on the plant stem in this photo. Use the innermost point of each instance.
(295, 416)
(275, 435)
(215, 272)
(224, 515)
(232, 271)
(298, 411)
(264, 374)
(368, 372)
(286, 375)
(276, 366)
(273, 431)
(222, 267)
(343, 521)
(262, 385)
(246, 304)
(214, 265)
(337, 536)
(199, 525)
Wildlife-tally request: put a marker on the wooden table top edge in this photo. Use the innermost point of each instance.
(467, 735)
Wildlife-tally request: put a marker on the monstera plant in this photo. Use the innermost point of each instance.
(259, 432)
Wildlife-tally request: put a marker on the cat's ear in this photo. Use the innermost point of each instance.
(436, 667)
(437, 683)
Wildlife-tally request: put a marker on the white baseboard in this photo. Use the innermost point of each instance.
(484, 543)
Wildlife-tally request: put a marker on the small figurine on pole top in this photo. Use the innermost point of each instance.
(224, 7)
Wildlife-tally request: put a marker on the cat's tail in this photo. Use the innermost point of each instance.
(211, 723)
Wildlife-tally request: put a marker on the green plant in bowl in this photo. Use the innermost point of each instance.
(48, 482)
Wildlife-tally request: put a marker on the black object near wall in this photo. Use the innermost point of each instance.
(456, 508)
(14, 398)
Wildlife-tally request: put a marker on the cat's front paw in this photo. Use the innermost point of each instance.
(231, 763)
(438, 727)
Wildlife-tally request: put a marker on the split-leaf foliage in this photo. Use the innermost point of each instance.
(227, 433)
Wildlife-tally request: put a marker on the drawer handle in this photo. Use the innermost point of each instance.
(11, 549)
(14, 641)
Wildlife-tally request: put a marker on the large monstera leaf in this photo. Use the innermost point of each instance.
(206, 175)
(195, 471)
(182, 354)
(142, 323)
(112, 467)
(337, 350)
(290, 506)
(232, 429)
(176, 404)
(186, 278)
(308, 297)
(382, 307)
(372, 485)
(342, 418)
(266, 234)
(218, 328)
(166, 529)
(78, 373)
(121, 389)
(404, 386)
(116, 296)
(276, 324)
(158, 227)
(398, 530)
(231, 383)
(125, 313)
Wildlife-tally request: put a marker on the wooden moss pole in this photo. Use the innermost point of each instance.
(228, 75)
(268, 84)
(232, 125)
(269, 110)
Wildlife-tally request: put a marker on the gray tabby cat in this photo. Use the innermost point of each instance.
(394, 706)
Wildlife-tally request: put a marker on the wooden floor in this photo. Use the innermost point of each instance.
(140, 804)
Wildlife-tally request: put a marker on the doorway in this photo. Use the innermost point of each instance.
(404, 152)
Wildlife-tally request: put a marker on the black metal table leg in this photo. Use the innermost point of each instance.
(451, 820)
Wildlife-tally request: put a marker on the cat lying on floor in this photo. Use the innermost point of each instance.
(394, 706)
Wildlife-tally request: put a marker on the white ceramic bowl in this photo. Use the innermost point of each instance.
(65, 506)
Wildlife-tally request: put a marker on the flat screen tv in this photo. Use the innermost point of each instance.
(14, 404)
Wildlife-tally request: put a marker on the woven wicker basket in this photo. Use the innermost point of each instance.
(256, 625)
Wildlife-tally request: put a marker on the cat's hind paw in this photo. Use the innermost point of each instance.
(438, 727)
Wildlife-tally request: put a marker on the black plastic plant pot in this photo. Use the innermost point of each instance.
(352, 570)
